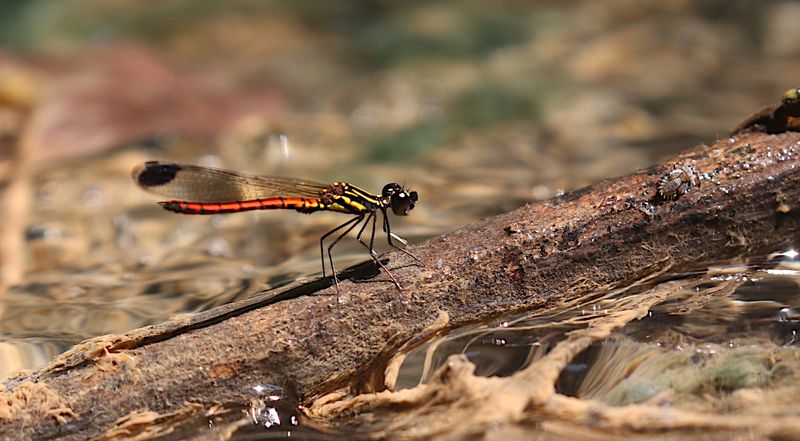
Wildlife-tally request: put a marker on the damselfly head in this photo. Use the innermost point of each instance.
(402, 201)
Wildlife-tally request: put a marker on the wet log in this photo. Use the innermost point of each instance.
(740, 196)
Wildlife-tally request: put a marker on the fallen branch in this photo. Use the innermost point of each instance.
(740, 196)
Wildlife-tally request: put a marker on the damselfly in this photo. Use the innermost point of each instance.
(205, 190)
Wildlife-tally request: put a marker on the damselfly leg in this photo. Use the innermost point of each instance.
(371, 247)
(349, 225)
(388, 230)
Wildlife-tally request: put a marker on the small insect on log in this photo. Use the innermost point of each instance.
(678, 182)
(791, 97)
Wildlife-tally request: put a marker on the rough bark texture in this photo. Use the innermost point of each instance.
(605, 235)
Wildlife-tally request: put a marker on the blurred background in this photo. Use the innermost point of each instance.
(480, 107)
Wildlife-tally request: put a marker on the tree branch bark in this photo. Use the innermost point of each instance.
(746, 200)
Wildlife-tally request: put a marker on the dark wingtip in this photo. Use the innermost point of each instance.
(154, 173)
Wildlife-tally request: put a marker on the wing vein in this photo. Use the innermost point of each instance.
(205, 184)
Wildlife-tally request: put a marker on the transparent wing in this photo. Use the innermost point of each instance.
(193, 183)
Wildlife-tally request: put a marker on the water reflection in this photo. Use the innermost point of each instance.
(44, 317)
(732, 328)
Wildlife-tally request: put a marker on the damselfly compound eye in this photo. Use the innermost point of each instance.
(403, 202)
(390, 189)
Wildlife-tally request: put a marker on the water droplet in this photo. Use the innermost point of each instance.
(219, 247)
(93, 197)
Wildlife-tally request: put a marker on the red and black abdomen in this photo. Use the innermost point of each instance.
(303, 205)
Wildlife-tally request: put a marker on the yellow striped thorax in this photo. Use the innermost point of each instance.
(347, 198)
